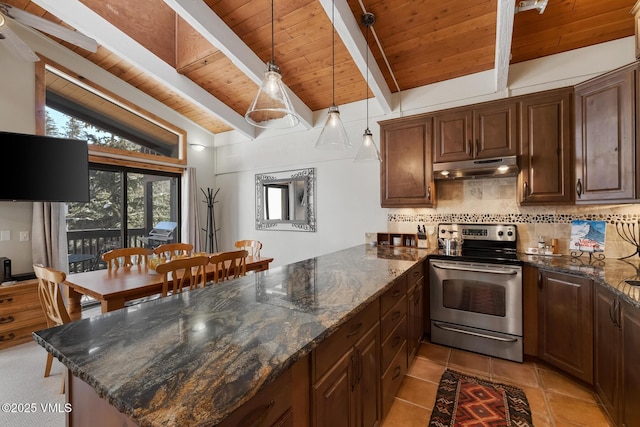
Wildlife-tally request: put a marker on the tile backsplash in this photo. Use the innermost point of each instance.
(494, 200)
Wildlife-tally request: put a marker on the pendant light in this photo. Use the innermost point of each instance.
(333, 136)
(368, 150)
(272, 108)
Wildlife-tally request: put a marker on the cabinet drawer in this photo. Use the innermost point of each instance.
(19, 335)
(393, 295)
(393, 343)
(271, 406)
(20, 319)
(393, 317)
(338, 343)
(392, 379)
(415, 275)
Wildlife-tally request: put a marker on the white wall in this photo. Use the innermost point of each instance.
(348, 196)
(17, 114)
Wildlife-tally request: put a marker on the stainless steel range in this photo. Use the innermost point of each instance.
(476, 290)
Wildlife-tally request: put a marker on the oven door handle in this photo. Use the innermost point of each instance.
(475, 334)
(474, 269)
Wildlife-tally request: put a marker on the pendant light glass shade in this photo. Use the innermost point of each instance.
(333, 135)
(272, 108)
(368, 150)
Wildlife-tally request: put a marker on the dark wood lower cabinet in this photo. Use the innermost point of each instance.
(565, 323)
(348, 394)
(607, 332)
(630, 411)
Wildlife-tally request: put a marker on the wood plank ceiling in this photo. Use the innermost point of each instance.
(416, 43)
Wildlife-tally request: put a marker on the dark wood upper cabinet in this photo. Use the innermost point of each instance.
(546, 148)
(406, 177)
(484, 131)
(605, 132)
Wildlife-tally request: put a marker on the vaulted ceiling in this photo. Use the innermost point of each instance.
(205, 58)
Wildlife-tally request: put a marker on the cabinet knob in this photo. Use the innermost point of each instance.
(6, 319)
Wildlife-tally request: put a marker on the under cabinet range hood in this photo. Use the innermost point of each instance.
(481, 168)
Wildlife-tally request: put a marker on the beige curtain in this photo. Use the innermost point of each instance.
(191, 219)
(49, 236)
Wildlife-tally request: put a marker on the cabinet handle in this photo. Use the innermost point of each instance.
(477, 148)
(396, 372)
(470, 148)
(395, 293)
(525, 191)
(612, 308)
(396, 315)
(616, 311)
(6, 319)
(579, 188)
(540, 281)
(355, 330)
(10, 299)
(8, 337)
(258, 415)
(429, 193)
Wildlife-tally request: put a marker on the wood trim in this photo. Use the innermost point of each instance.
(41, 87)
(133, 164)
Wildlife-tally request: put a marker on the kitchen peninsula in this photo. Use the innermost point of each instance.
(194, 358)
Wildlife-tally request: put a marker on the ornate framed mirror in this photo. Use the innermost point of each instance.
(286, 200)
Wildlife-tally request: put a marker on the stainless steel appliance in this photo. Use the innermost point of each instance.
(476, 291)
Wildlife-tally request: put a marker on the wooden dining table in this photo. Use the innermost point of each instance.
(114, 287)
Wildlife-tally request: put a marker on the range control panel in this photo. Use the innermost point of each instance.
(489, 232)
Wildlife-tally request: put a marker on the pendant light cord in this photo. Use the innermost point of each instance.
(272, 33)
(367, 78)
(333, 53)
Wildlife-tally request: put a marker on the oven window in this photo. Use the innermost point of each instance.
(474, 296)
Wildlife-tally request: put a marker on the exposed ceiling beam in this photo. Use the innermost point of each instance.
(215, 30)
(80, 17)
(504, 35)
(349, 31)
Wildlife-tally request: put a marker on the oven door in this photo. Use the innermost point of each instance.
(479, 295)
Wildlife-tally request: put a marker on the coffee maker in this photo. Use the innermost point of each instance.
(5, 269)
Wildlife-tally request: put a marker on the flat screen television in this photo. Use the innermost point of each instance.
(43, 168)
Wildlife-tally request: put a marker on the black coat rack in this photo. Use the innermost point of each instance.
(211, 236)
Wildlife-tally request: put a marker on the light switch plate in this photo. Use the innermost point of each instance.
(5, 234)
(24, 236)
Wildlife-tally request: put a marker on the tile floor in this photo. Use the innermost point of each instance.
(555, 399)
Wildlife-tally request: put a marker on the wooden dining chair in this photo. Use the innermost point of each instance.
(169, 250)
(229, 265)
(126, 257)
(252, 246)
(55, 312)
(183, 273)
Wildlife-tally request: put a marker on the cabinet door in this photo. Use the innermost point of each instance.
(495, 130)
(333, 398)
(565, 319)
(453, 138)
(415, 316)
(369, 379)
(546, 149)
(406, 177)
(630, 367)
(607, 360)
(605, 137)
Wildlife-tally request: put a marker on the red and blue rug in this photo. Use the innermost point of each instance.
(465, 401)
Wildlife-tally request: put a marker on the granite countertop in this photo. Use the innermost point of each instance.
(609, 272)
(194, 358)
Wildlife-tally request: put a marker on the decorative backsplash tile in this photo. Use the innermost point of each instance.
(517, 218)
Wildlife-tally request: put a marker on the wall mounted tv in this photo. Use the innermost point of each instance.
(43, 168)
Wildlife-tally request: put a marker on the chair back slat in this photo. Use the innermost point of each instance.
(126, 257)
(183, 273)
(251, 246)
(170, 250)
(229, 265)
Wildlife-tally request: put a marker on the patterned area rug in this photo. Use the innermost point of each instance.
(465, 401)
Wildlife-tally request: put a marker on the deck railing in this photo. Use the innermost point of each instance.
(94, 242)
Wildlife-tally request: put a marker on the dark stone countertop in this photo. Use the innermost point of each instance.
(610, 272)
(194, 358)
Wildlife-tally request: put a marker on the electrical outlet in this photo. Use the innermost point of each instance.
(5, 234)
(24, 236)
